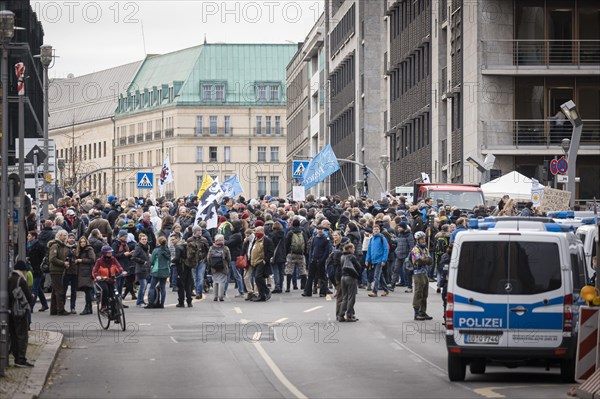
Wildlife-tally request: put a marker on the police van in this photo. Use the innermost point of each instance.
(513, 296)
(587, 233)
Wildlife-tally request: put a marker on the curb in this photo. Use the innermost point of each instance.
(43, 365)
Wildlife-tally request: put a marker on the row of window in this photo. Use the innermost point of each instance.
(83, 152)
(213, 152)
(213, 125)
(96, 182)
(343, 30)
(405, 13)
(413, 136)
(146, 98)
(152, 158)
(343, 76)
(130, 131)
(343, 127)
(410, 72)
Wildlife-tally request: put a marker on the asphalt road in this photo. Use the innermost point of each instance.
(288, 347)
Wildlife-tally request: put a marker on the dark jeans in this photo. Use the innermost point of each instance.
(89, 295)
(38, 291)
(260, 280)
(185, 283)
(70, 280)
(19, 336)
(316, 271)
(57, 301)
(278, 269)
(108, 290)
(349, 290)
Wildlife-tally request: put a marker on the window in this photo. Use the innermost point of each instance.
(159, 99)
(275, 186)
(259, 125)
(199, 154)
(212, 154)
(199, 180)
(262, 185)
(274, 93)
(207, 92)
(278, 125)
(227, 154)
(274, 154)
(268, 125)
(199, 125)
(262, 154)
(227, 124)
(213, 125)
(220, 92)
(171, 94)
(261, 93)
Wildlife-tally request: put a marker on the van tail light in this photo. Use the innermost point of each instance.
(568, 314)
(450, 311)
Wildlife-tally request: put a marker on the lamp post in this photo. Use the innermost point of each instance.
(385, 163)
(46, 57)
(570, 111)
(7, 26)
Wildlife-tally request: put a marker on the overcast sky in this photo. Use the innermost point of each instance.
(89, 36)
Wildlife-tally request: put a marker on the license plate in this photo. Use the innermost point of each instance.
(482, 339)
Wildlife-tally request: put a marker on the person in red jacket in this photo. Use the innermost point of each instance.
(105, 271)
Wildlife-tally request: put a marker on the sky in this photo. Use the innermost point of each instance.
(90, 36)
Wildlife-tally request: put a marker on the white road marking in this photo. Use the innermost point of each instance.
(280, 320)
(256, 336)
(170, 328)
(145, 324)
(396, 346)
(244, 321)
(328, 298)
(280, 376)
(489, 392)
(312, 309)
(435, 366)
(237, 310)
(174, 340)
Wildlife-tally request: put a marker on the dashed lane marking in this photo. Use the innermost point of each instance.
(313, 309)
(489, 391)
(174, 340)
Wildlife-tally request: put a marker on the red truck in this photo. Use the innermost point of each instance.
(464, 196)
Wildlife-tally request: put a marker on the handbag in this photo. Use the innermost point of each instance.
(241, 262)
(155, 266)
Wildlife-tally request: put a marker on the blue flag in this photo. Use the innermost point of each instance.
(232, 187)
(324, 164)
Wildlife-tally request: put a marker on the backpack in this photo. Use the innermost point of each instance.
(441, 245)
(348, 263)
(297, 246)
(45, 265)
(332, 263)
(20, 305)
(217, 258)
(222, 227)
(191, 254)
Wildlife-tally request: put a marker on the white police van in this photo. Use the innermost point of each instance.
(587, 233)
(513, 295)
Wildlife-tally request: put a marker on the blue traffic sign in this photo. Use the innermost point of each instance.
(145, 180)
(298, 168)
(562, 166)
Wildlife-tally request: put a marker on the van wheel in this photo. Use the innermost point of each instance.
(457, 368)
(477, 366)
(567, 370)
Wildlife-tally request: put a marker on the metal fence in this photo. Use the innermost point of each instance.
(545, 132)
(540, 52)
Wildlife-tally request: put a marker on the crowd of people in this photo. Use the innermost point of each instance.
(264, 246)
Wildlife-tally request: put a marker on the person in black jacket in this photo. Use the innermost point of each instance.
(36, 252)
(278, 261)
(320, 250)
(139, 258)
(185, 280)
(235, 244)
(351, 271)
(296, 259)
(19, 325)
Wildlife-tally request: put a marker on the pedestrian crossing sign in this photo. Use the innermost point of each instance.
(145, 180)
(298, 168)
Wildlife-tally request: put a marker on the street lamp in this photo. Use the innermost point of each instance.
(7, 31)
(571, 147)
(384, 161)
(46, 56)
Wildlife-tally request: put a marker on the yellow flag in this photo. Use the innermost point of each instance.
(206, 183)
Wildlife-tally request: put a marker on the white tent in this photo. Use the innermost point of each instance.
(514, 184)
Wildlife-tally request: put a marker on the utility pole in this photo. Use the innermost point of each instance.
(21, 235)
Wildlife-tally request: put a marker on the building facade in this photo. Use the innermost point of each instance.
(81, 122)
(306, 91)
(471, 79)
(214, 109)
(357, 94)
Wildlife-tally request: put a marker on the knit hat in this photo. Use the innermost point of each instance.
(296, 223)
(258, 223)
(196, 228)
(20, 265)
(106, 250)
(403, 225)
(122, 233)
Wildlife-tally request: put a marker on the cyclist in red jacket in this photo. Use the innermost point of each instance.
(105, 271)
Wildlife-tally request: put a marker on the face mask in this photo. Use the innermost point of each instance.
(259, 235)
(107, 257)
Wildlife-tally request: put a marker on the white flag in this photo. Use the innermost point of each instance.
(166, 175)
(425, 177)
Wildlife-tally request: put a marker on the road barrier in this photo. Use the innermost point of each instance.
(588, 359)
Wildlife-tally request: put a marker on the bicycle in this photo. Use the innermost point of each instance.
(114, 310)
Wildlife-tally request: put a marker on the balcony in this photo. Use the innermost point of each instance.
(122, 141)
(157, 135)
(508, 57)
(149, 136)
(169, 133)
(140, 138)
(131, 140)
(538, 136)
(273, 132)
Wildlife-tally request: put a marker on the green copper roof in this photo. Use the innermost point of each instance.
(235, 70)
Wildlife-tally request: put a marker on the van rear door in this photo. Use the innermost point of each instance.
(480, 298)
(536, 292)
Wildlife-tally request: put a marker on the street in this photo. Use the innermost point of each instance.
(287, 347)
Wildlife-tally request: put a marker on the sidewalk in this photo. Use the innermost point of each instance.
(28, 382)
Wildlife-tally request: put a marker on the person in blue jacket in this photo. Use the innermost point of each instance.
(377, 255)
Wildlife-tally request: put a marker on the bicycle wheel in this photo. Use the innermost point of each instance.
(121, 313)
(102, 315)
